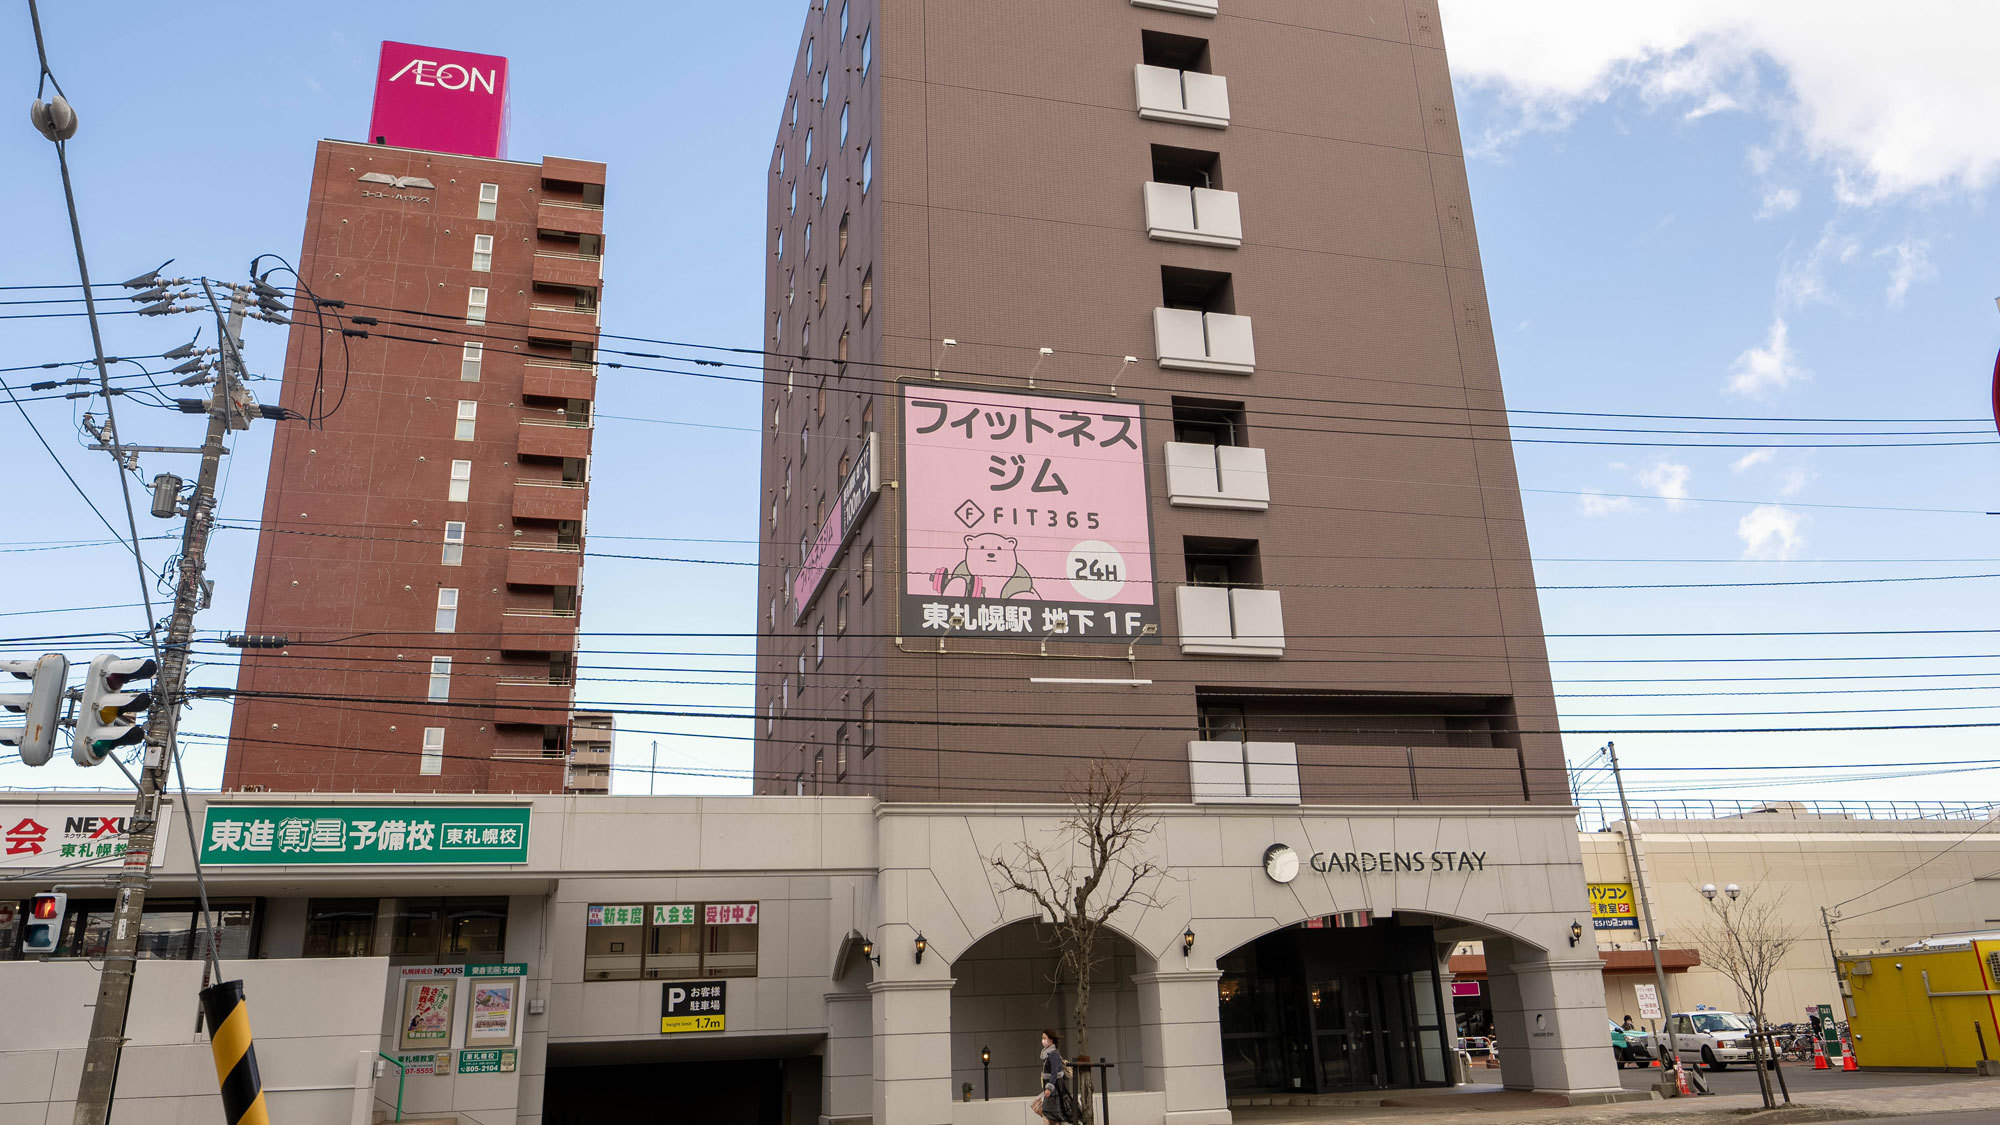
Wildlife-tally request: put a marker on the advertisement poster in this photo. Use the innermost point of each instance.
(491, 1017)
(427, 1064)
(427, 1003)
(247, 835)
(36, 836)
(1611, 907)
(1025, 517)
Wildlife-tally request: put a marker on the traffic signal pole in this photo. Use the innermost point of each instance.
(114, 989)
(1646, 910)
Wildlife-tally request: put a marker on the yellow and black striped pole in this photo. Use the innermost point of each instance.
(235, 1055)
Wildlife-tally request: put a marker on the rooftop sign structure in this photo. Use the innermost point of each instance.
(439, 100)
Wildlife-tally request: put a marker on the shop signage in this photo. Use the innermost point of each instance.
(676, 914)
(616, 916)
(692, 1005)
(440, 100)
(429, 1062)
(1464, 988)
(1367, 863)
(426, 1014)
(857, 494)
(45, 835)
(511, 969)
(1611, 907)
(408, 971)
(730, 914)
(487, 1062)
(490, 1020)
(1027, 516)
(374, 835)
(1649, 1000)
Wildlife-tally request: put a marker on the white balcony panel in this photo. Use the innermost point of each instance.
(1208, 476)
(1204, 614)
(1202, 216)
(1188, 7)
(1215, 772)
(1258, 617)
(1274, 771)
(1191, 340)
(1184, 97)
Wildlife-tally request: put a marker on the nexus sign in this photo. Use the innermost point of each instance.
(439, 100)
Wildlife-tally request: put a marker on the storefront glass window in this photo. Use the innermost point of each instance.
(340, 927)
(668, 941)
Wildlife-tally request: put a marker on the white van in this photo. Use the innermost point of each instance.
(1711, 1038)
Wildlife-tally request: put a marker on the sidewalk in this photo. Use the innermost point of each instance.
(1486, 1104)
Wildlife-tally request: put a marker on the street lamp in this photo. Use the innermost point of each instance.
(986, 1071)
(921, 946)
(1187, 942)
(1575, 933)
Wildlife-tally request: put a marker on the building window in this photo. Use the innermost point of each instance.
(824, 76)
(868, 726)
(843, 236)
(840, 753)
(482, 253)
(843, 122)
(669, 940)
(819, 400)
(792, 110)
(805, 442)
(461, 482)
(489, 200)
(440, 686)
(819, 773)
(820, 291)
(468, 419)
(771, 717)
(867, 49)
(433, 759)
(781, 154)
(840, 348)
(447, 610)
(819, 644)
(867, 571)
(809, 147)
(806, 337)
(867, 169)
(840, 613)
(788, 479)
(843, 20)
(454, 542)
(809, 58)
(448, 930)
(781, 251)
(867, 294)
(340, 927)
(846, 465)
(469, 362)
(802, 675)
(475, 305)
(1222, 562)
(806, 243)
(791, 199)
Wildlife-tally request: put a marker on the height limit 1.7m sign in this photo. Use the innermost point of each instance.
(1025, 516)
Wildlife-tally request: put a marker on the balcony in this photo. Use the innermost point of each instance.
(540, 702)
(1217, 476)
(1184, 97)
(570, 218)
(1185, 7)
(548, 500)
(543, 566)
(553, 437)
(1192, 340)
(1202, 216)
(1230, 621)
(580, 754)
(581, 271)
(551, 378)
(562, 322)
(538, 630)
(1244, 773)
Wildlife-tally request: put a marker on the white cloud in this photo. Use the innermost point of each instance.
(1802, 279)
(1890, 105)
(1752, 459)
(1777, 201)
(1794, 481)
(1770, 367)
(1670, 481)
(1771, 531)
(1909, 263)
(1596, 504)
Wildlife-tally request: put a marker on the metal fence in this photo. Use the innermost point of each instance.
(1594, 814)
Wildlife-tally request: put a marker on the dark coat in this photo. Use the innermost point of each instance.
(1052, 1068)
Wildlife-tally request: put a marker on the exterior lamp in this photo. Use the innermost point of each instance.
(1575, 933)
(1187, 942)
(921, 946)
(1708, 891)
(1732, 890)
(868, 952)
(986, 1072)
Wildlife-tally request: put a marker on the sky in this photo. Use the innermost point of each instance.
(1690, 210)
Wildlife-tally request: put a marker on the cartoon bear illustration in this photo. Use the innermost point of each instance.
(989, 565)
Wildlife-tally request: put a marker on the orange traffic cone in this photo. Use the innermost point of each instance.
(1847, 1059)
(1681, 1081)
(1819, 1056)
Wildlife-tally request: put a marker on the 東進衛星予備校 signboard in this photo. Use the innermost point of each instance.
(374, 835)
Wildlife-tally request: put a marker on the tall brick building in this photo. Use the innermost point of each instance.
(423, 549)
(1235, 240)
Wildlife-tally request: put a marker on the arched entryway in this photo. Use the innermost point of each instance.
(1009, 986)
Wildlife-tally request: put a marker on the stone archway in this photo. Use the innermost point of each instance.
(1008, 987)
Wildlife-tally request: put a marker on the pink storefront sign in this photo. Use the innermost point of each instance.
(440, 100)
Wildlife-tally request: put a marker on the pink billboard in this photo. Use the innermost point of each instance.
(440, 101)
(1025, 515)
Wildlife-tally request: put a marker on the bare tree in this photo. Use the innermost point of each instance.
(1094, 868)
(1746, 941)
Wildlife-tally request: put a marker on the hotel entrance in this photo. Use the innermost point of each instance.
(1318, 1008)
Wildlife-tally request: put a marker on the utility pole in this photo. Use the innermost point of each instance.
(655, 771)
(1645, 907)
(114, 989)
(1833, 959)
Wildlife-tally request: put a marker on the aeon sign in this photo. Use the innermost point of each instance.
(441, 101)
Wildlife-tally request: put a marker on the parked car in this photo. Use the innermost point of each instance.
(1712, 1038)
(1630, 1045)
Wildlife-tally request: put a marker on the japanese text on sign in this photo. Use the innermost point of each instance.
(735, 914)
(37, 835)
(682, 914)
(327, 834)
(693, 1006)
(1611, 907)
(617, 916)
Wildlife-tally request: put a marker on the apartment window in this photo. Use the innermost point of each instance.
(1175, 52)
(809, 147)
(819, 773)
(1203, 290)
(1188, 167)
(781, 150)
(785, 693)
(1222, 562)
(819, 643)
(822, 185)
(468, 419)
(821, 290)
(843, 122)
(489, 200)
(475, 305)
(454, 543)
(840, 753)
(840, 613)
(433, 759)
(792, 108)
(781, 254)
(867, 49)
(867, 419)
(867, 571)
(806, 245)
(460, 488)
(846, 466)
(771, 717)
(447, 610)
(1223, 722)
(802, 673)
(867, 169)
(788, 479)
(482, 253)
(843, 236)
(809, 58)
(805, 442)
(868, 726)
(867, 294)
(340, 927)
(448, 930)
(824, 75)
(806, 337)
(469, 362)
(791, 199)
(440, 685)
(1202, 422)
(843, 20)
(840, 349)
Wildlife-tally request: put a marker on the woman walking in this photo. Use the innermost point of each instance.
(1051, 1101)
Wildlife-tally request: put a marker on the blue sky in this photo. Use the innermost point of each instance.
(1710, 213)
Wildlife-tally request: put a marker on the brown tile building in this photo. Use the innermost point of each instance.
(1249, 220)
(422, 548)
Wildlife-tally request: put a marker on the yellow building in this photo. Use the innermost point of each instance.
(1929, 1008)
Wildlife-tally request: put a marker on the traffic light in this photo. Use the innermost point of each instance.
(43, 926)
(40, 707)
(106, 720)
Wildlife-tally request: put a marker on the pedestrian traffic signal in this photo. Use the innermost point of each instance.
(40, 707)
(43, 926)
(106, 720)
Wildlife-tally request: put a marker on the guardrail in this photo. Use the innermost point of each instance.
(1594, 814)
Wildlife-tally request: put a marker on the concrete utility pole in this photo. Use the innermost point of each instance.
(114, 989)
(1646, 911)
(1833, 959)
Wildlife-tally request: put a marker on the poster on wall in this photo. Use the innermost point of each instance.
(1611, 907)
(490, 1017)
(427, 1004)
(1025, 516)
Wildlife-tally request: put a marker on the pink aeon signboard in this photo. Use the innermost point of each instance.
(440, 101)
(1025, 515)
